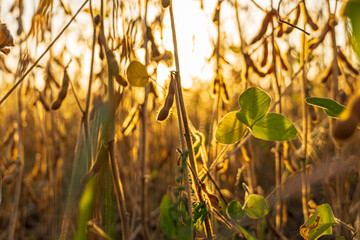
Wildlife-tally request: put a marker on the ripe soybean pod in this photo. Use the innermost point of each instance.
(344, 128)
(63, 91)
(164, 112)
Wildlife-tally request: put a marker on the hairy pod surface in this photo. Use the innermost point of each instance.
(165, 3)
(164, 112)
(345, 128)
(289, 29)
(265, 54)
(63, 91)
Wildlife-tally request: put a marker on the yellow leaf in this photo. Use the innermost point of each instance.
(137, 74)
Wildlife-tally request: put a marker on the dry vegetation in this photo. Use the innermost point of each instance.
(89, 149)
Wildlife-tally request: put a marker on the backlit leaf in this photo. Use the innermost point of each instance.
(230, 129)
(254, 104)
(332, 108)
(166, 223)
(234, 210)
(274, 127)
(256, 206)
(320, 223)
(137, 74)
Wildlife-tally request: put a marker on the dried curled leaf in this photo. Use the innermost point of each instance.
(137, 74)
(6, 40)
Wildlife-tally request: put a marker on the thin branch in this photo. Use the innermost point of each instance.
(76, 98)
(288, 23)
(42, 55)
(258, 6)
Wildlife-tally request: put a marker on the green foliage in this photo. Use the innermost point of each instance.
(331, 107)
(230, 129)
(320, 223)
(274, 127)
(86, 205)
(255, 104)
(234, 210)
(256, 206)
(167, 224)
(352, 10)
(199, 214)
(173, 217)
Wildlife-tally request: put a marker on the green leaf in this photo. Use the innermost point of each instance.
(234, 210)
(199, 214)
(254, 104)
(230, 129)
(274, 127)
(332, 108)
(352, 10)
(166, 223)
(137, 74)
(86, 205)
(320, 223)
(256, 206)
(185, 233)
(246, 234)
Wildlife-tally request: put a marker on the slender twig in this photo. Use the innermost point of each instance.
(288, 23)
(257, 5)
(17, 192)
(85, 118)
(143, 144)
(42, 55)
(305, 133)
(76, 98)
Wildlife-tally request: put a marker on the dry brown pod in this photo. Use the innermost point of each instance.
(281, 30)
(265, 54)
(313, 114)
(130, 121)
(264, 26)
(63, 91)
(44, 102)
(215, 87)
(321, 37)
(164, 112)
(289, 29)
(165, 3)
(345, 128)
(224, 92)
(347, 62)
(8, 179)
(326, 74)
(270, 69)
(309, 20)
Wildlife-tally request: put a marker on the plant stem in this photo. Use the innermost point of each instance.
(278, 156)
(208, 229)
(120, 198)
(305, 122)
(143, 153)
(19, 180)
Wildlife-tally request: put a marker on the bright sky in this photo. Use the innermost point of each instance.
(196, 33)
